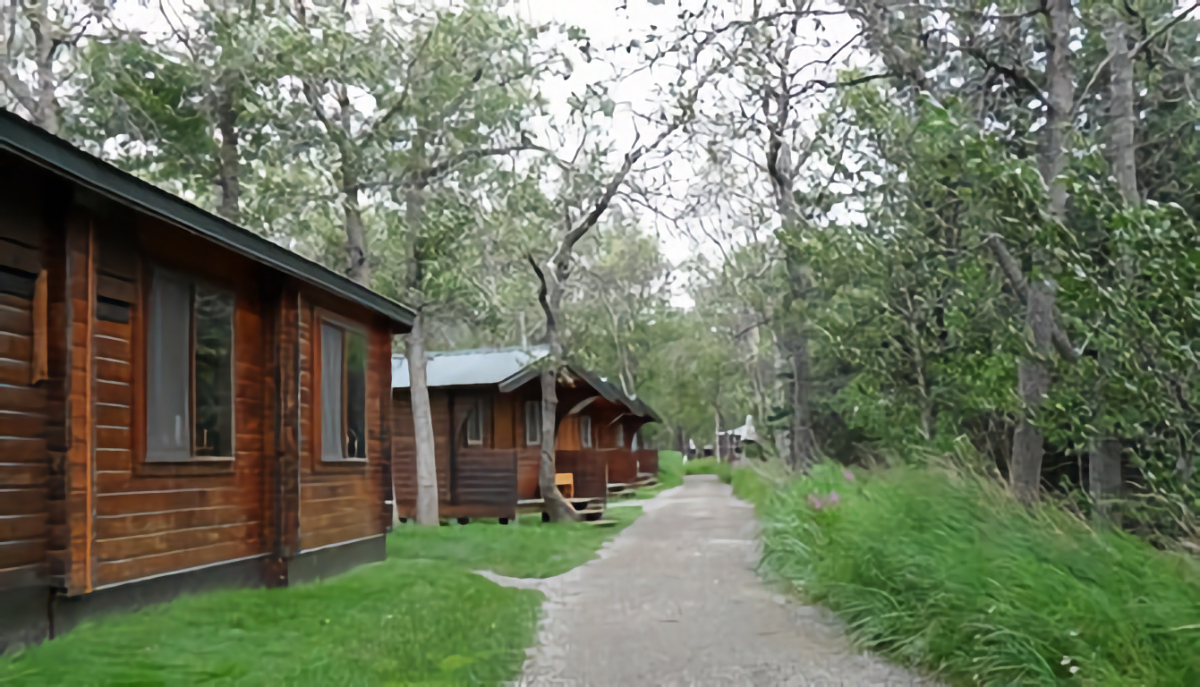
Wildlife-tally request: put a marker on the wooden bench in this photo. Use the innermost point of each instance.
(565, 481)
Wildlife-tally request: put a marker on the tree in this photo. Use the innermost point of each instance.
(34, 54)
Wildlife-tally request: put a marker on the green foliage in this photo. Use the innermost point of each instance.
(941, 569)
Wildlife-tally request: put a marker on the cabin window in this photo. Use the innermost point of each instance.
(533, 423)
(620, 436)
(189, 375)
(585, 431)
(475, 423)
(634, 445)
(343, 393)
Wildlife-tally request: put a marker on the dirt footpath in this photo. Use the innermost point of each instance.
(674, 600)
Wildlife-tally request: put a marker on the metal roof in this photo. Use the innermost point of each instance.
(65, 160)
(509, 368)
(470, 368)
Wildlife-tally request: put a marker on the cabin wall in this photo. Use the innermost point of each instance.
(528, 456)
(343, 502)
(156, 518)
(404, 449)
(589, 470)
(28, 422)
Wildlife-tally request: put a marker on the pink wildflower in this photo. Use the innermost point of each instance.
(848, 475)
(833, 497)
(814, 502)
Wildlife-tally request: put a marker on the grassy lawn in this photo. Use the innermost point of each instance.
(421, 617)
(524, 549)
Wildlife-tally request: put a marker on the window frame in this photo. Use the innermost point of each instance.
(320, 318)
(585, 438)
(140, 329)
(536, 418)
(476, 413)
(620, 435)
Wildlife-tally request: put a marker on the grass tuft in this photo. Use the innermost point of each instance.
(944, 571)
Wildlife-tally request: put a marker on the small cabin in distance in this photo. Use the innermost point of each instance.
(183, 405)
(486, 408)
(619, 419)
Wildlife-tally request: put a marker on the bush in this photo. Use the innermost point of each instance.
(943, 570)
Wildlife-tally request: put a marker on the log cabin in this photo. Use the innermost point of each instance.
(619, 419)
(184, 405)
(486, 410)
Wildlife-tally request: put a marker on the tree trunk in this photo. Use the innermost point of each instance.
(1104, 476)
(1061, 92)
(802, 447)
(427, 486)
(554, 503)
(552, 499)
(1104, 467)
(356, 239)
(46, 115)
(1033, 377)
(717, 434)
(1122, 118)
(228, 159)
(1033, 381)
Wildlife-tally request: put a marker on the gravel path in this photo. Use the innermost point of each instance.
(673, 600)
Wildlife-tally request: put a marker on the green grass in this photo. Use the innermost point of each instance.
(527, 549)
(670, 469)
(708, 466)
(421, 617)
(944, 571)
(392, 623)
(752, 486)
(670, 475)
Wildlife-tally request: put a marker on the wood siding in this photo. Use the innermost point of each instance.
(647, 460)
(474, 480)
(340, 501)
(589, 469)
(25, 423)
(622, 465)
(155, 518)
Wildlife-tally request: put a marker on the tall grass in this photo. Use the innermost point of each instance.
(943, 570)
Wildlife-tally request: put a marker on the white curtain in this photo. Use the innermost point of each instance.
(331, 393)
(168, 369)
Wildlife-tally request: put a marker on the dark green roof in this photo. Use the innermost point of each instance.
(63, 159)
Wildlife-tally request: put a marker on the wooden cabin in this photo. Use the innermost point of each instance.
(619, 418)
(183, 404)
(486, 408)
(481, 434)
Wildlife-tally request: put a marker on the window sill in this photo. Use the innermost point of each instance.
(193, 460)
(344, 461)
